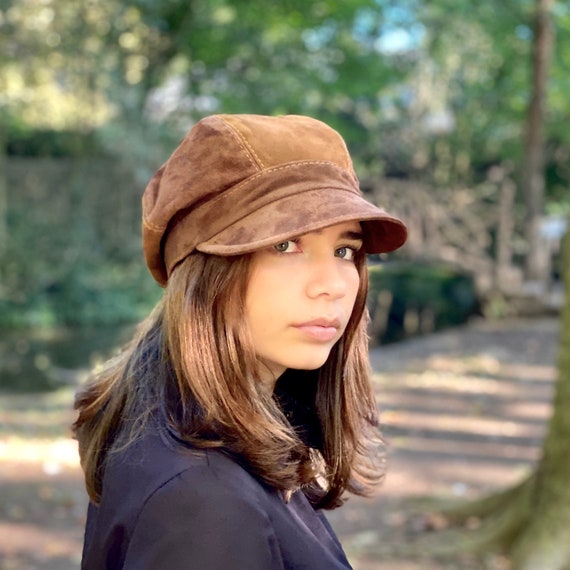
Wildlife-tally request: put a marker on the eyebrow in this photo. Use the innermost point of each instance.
(352, 235)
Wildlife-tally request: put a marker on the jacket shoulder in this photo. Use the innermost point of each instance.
(155, 462)
(196, 501)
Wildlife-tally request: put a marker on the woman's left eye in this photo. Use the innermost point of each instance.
(288, 246)
(346, 252)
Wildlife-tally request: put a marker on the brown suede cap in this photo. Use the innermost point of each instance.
(238, 183)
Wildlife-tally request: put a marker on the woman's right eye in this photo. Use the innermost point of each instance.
(288, 246)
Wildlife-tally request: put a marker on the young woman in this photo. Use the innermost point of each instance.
(243, 405)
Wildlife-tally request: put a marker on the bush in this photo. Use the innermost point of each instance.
(409, 298)
(104, 295)
(22, 141)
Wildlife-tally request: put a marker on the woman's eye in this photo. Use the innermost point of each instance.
(347, 253)
(285, 246)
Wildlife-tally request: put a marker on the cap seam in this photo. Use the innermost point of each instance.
(152, 226)
(327, 186)
(267, 171)
(224, 195)
(346, 154)
(246, 148)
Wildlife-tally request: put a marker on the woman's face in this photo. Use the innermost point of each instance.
(300, 297)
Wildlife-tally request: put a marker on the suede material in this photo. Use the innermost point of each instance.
(240, 182)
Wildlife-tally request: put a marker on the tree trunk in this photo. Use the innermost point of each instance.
(532, 183)
(505, 230)
(545, 541)
(3, 195)
(530, 521)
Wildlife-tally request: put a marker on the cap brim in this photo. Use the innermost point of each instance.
(299, 214)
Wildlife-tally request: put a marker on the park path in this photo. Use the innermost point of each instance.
(463, 413)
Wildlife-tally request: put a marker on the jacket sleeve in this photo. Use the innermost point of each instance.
(200, 522)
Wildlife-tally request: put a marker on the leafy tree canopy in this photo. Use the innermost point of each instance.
(430, 89)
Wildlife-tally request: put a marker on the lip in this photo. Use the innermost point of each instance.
(323, 330)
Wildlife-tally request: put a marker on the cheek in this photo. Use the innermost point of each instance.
(352, 292)
(353, 283)
(262, 299)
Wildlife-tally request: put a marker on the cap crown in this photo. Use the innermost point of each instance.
(220, 153)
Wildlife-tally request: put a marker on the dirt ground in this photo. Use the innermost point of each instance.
(463, 413)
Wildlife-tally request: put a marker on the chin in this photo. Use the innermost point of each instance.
(298, 357)
(311, 362)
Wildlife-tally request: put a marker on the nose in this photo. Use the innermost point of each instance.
(327, 277)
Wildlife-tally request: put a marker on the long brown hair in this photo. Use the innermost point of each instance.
(192, 369)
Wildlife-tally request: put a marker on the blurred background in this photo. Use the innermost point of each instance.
(455, 113)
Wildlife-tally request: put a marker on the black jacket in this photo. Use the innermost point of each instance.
(165, 508)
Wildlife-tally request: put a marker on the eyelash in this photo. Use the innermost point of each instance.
(351, 248)
(276, 246)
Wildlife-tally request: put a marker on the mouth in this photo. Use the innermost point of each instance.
(321, 330)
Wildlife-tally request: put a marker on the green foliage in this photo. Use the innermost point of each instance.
(73, 253)
(101, 294)
(50, 142)
(469, 90)
(43, 359)
(464, 62)
(417, 298)
(127, 79)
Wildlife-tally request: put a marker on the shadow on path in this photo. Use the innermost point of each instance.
(463, 413)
